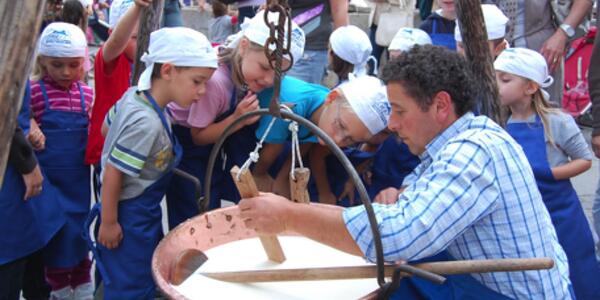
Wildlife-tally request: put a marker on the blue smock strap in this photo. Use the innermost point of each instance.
(44, 95)
(95, 213)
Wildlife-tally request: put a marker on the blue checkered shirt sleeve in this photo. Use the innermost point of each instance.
(455, 191)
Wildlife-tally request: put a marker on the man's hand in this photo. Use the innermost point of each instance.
(553, 49)
(266, 213)
(388, 196)
(33, 183)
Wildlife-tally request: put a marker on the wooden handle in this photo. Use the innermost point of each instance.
(370, 271)
(299, 187)
(247, 188)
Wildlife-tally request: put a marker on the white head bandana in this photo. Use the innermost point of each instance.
(406, 38)
(62, 40)
(368, 98)
(495, 23)
(352, 44)
(257, 31)
(85, 3)
(118, 8)
(525, 63)
(180, 46)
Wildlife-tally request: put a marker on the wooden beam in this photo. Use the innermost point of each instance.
(475, 42)
(19, 27)
(149, 21)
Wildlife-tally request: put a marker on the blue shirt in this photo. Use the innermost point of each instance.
(475, 196)
(304, 99)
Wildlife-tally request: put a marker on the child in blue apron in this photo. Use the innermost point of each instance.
(29, 213)
(440, 25)
(349, 52)
(60, 105)
(557, 151)
(495, 25)
(138, 158)
(244, 71)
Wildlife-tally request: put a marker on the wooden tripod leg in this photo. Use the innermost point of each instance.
(247, 188)
(299, 187)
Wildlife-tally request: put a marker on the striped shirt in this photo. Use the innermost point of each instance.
(59, 98)
(474, 196)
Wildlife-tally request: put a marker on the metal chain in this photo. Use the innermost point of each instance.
(276, 38)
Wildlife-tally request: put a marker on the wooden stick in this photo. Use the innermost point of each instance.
(149, 21)
(299, 187)
(370, 271)
(247, 188)
(481, 62)
(20, 22)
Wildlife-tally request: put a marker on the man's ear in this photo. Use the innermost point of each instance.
(442, 103)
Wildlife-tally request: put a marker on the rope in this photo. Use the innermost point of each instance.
(254, 155)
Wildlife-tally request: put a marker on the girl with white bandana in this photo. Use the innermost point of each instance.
(139, 155)
(243, 75)
(556, 151)
(60, 105)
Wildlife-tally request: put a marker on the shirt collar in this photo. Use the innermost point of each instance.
(441, 139)
(48, 80)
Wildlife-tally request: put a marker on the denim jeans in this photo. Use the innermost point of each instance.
(311, 67)
(172, 14)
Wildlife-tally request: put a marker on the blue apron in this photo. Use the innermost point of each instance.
(26, 226)
(565, 210)
(391, 163)
(62, 161)
(442, 39)
(181, 201)
(463, 286)
(127, 270)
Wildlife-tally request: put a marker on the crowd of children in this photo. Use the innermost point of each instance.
(120, 140)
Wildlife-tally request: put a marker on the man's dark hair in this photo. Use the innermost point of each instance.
(426, 70)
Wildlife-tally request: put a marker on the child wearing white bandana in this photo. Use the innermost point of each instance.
(349, 51)
(60, 106)
(138, 157)
(557, 151)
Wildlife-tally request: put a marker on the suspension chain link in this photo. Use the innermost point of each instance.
(276, 38)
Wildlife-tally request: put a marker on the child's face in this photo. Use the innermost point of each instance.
(63, 70)
(255, 67)
(513, 89)
(188, 84)
(446, 5)
(343, 125)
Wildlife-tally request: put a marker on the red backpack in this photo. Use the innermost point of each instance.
(576, 97)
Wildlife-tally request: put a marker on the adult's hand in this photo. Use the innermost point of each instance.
(553, 49)
(33, 183)
(596, 145)
(266, 213)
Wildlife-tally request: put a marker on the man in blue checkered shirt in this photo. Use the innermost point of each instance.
(473, 195)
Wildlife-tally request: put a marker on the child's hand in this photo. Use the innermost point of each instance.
(388, 196)
(348, 192)
(248, 104)
(143, 3)
(110, 235)
(36, 137)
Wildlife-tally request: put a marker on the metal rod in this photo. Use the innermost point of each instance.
(362, 191)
